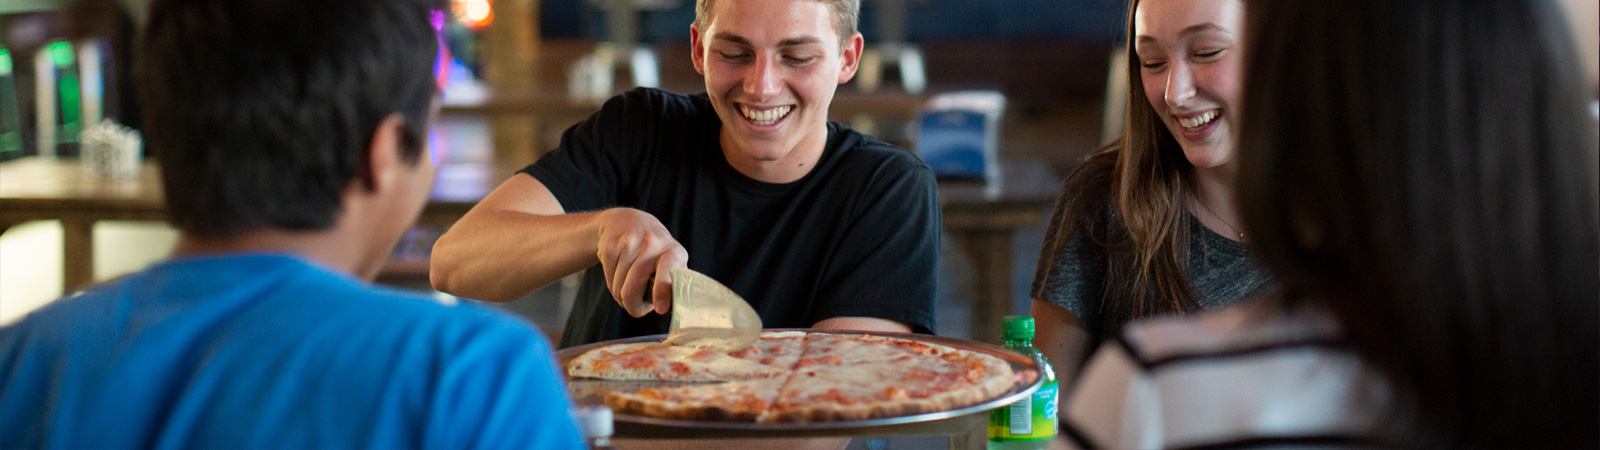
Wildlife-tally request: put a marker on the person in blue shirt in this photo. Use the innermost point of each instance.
(291, 137)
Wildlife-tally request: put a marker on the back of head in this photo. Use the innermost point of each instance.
(1427, 171)
(260, 111)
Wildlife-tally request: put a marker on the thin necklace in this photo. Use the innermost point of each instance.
(1203, 204)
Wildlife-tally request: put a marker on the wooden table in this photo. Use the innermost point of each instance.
(36, 188)
(49, 189)
(982, 218)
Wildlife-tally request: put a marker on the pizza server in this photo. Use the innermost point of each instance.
(706, 314)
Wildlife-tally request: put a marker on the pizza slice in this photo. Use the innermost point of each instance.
(824, 349)
(778, 349)
(662, 361)
(884, 379)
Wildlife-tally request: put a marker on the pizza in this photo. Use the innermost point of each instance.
(797, 377)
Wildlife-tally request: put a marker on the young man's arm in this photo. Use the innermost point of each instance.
(519, 239)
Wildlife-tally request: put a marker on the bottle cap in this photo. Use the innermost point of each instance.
(1017, 327)
(594, 421)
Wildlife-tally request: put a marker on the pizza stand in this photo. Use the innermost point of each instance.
(959, 424)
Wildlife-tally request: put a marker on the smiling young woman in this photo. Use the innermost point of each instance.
(1147, 225)
(1419, 177)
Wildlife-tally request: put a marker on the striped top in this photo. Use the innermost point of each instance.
(1246, 376)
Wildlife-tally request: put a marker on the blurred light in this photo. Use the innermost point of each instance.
(436, 18)
(437, 151)
(61, 53)
(473, 14)
(441, 67)
(67, 85)
(441, 63)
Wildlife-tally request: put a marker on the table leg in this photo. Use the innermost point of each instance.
(976, 438)
(77, 254)
(990, 254)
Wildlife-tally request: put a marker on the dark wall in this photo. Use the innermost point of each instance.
(1094, 20)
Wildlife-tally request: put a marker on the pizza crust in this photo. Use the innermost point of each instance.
(591, 364)
(733, 401)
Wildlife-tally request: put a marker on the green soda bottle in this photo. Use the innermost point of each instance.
(1030, 422)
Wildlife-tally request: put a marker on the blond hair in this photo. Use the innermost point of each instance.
(846, 15)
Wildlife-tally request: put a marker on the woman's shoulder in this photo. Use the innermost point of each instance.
(1260, 324)
(1226, 378)
(1089, 184)
(1095, 173)
(1086, 193)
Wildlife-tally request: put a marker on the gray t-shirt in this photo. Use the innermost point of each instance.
(1220, 269)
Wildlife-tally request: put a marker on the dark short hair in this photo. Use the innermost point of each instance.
(1426, 171)
(260, 111)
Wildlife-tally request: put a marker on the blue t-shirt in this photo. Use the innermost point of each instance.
(270, 351)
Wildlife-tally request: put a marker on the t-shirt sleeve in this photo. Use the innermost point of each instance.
(1071, 270)
(500, 389)
(24, 386)
(598, 158)
(888, 263)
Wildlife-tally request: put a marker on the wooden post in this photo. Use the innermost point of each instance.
(77, 256)
(990, 253)
(512, 48)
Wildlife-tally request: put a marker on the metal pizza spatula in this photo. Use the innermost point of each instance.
(706, 314)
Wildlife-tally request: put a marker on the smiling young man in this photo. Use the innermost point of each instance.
(814, 224)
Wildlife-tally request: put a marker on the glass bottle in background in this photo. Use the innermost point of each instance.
(10, 113)
(58, 104)
(1030, 423)
(595, 423)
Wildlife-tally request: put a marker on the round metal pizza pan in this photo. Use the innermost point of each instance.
(1025, 375)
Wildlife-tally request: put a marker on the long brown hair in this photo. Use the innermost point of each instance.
(1148, 180)
(1426, 170)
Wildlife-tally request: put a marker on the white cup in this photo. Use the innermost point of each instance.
(110, 151)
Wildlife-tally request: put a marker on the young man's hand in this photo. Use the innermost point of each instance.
(637, 251)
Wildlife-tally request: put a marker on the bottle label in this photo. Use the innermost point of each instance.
(1031, 418)
(1021, 420)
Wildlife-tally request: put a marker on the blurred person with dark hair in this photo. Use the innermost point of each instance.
(1420, 177)
(291, 138)
(815, 224)
(1147, 226)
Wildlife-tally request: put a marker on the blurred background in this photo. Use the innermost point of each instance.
(1036, 74)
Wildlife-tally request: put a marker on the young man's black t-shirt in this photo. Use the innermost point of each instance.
(857, 236)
